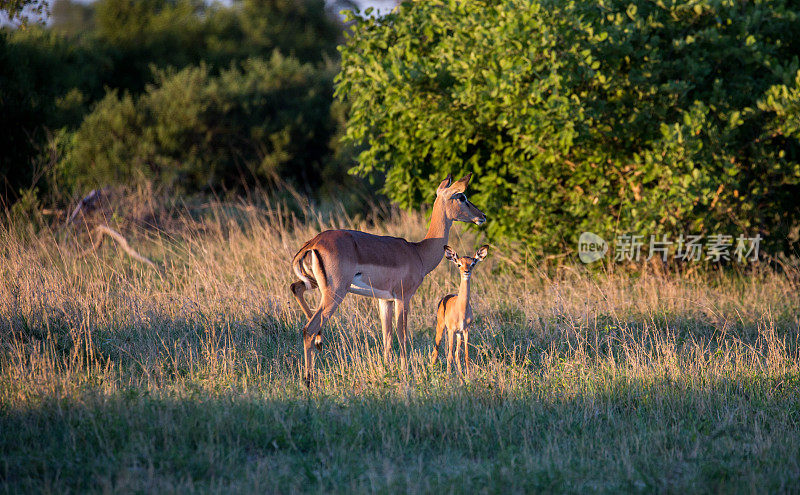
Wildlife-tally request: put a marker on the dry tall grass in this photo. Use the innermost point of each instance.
(115, 376)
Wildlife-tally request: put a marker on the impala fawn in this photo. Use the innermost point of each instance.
(455, 312)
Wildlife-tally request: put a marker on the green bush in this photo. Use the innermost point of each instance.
(637, 116)
(193, 131)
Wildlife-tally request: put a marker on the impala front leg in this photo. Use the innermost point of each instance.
(386, 307)
(437, 340)
(401, 324)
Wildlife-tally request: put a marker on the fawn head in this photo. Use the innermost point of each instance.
(466, 264)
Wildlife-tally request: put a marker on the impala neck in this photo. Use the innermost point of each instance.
(463, 296)
(431, 248)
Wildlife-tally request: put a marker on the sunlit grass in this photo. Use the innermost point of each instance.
(116, 377)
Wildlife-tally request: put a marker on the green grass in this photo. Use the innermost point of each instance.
(116, 378)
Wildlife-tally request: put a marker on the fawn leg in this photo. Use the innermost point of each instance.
(458, 353)
(466, 351)
(450, 344)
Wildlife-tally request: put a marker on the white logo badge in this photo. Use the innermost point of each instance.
(591, 247)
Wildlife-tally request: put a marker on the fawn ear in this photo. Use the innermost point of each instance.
(450, 254)
(444, 184)
(482, 252)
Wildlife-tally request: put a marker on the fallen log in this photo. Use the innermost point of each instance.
(100, 232)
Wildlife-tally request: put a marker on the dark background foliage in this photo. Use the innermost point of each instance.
(192, 96)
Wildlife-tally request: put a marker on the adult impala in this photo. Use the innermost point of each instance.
(389, 269)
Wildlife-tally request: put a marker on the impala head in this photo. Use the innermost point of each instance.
(456, 205)
(466, 264)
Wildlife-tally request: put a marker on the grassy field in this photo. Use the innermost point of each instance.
(114, 377)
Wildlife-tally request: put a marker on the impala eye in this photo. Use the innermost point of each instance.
(460, 197)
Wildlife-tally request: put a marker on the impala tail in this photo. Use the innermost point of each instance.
(308, 267)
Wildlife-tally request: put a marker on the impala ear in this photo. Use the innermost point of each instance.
(445, 184)
(461, 184)
(450, 254)
(482, 252)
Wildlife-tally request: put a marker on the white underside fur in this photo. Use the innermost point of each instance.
(363, 288)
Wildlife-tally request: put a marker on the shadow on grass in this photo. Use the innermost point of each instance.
(722, 435)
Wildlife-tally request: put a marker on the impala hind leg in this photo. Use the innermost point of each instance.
(312, 332)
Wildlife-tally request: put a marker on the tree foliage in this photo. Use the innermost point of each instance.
(193, 130)
(178, 33)
(638, 116)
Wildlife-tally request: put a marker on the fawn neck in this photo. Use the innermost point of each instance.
(462, 300)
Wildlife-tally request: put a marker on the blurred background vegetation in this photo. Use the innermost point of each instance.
(190, 96)
(650, 117)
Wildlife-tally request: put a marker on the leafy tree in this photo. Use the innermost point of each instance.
(192, 130)
(610, 116)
